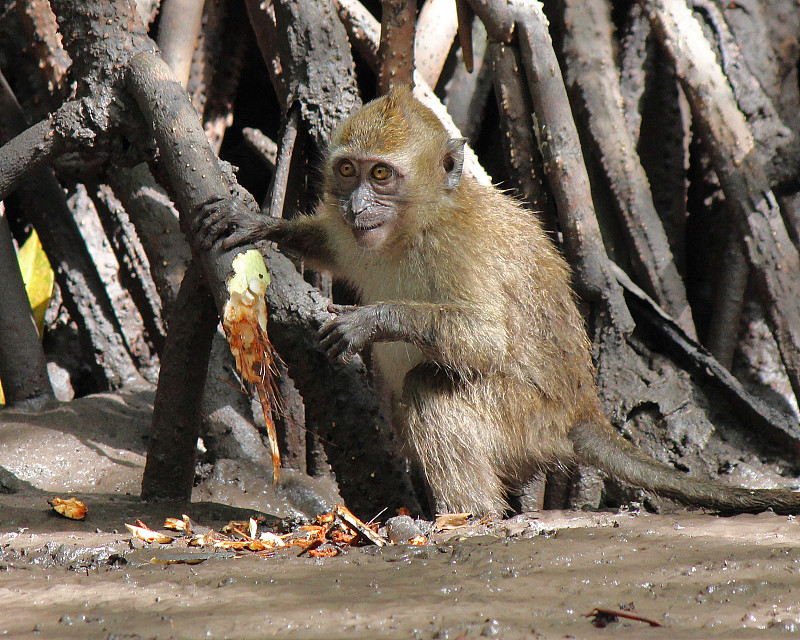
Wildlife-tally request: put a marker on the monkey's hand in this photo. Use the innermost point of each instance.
(351, 331)
(220, 216)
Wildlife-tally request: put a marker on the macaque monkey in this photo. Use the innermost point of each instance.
(469, 312)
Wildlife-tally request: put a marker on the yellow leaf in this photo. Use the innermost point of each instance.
(38, 277)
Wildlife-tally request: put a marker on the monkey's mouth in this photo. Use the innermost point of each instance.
(371, 237)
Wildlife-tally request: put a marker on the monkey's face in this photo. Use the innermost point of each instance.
(371, 195)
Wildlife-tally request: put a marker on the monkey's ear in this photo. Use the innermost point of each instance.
(453, 162)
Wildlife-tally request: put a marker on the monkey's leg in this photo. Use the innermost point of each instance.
(448, 436)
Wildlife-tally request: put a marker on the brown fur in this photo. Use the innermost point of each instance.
(474, 326)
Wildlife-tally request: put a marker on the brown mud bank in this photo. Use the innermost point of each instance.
(533, 576)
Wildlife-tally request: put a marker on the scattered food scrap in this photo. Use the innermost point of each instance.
(331, 534)
(141, 531)
(71, 508)
(347, 517)
(448, 521)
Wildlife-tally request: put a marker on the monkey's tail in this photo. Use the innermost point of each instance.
(601, 446)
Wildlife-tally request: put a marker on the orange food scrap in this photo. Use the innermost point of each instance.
(71, 508)
(143, 532)
(323, 552)
(179, 524)
(447, 521)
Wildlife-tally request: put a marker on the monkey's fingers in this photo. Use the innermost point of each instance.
(211, 222)
(337, 340)
(240, 237)
(339, 309)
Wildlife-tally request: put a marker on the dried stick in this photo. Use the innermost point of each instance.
(436, 29)
(519, 142)
(588, 51)
(178, 28)
(281, 188)
(772, 256)
(395, 54)
(263, 146)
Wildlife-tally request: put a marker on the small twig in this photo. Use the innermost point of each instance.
(264, 147)
(603, 616)
(275, 206)
(346, 516)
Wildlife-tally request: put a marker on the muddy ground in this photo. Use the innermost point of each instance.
(533, 576)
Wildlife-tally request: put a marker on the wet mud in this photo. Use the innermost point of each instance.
(533, 576)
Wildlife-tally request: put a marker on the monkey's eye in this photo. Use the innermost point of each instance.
(381, 172)
(347, 169)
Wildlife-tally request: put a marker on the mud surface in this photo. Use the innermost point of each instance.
(533, 576)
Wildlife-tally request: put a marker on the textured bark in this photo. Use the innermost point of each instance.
(519, 142)
(317, 65)
(395, 54)
(25, 153)
(436, 29)
(23, 368)
(362, 28)
(83, 291)
(566, 170)
(169, 469)
(178, 28)
(588, 52)
(770, 252)
(761, 418)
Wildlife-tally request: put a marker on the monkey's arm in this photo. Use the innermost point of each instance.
(232, 223)
(452, 334)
